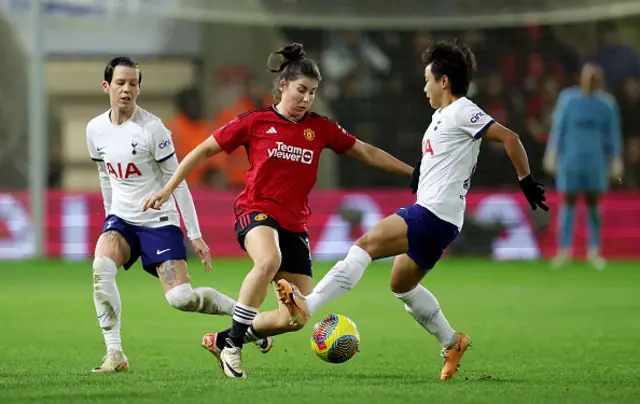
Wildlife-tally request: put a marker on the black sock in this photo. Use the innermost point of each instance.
(236, 335)
(250, 336)
(242, 318)
(222, 338)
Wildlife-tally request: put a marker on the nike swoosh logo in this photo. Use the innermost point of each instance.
(158, 252)
(100, 148)
(233, 372)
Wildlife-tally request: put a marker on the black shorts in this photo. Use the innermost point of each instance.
(294, 246)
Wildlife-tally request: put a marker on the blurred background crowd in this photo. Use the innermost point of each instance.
(373, 81)
(204, 62)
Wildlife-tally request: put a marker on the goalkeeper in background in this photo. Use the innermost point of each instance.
(584, 150)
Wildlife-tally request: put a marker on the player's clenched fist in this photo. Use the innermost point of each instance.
(155, 201)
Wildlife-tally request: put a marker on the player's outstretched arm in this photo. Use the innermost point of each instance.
(375, 157)
(203, 151)
(533, 191)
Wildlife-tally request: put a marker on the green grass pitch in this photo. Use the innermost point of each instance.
(539, 336)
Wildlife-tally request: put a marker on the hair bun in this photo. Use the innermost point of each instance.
(288, 53)
(292, 52)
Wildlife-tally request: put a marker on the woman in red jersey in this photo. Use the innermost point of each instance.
(283, 143)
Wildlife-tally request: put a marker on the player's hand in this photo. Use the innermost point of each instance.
(617, 169)
(415, 178)
(549, 163)
(155, 201)
(202, 250)
(534, 192)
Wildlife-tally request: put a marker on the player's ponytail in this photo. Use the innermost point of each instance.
(289, 63)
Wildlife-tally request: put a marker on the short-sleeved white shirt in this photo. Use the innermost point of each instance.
(450, 148)
(132, 153)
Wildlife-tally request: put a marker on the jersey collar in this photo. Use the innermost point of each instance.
(275, 111)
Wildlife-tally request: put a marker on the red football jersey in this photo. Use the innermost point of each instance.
(284, 157)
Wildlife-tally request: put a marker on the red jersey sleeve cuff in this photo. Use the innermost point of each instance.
(225, 146)
(348, 145)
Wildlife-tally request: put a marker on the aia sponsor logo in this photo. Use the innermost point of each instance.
(121, 172)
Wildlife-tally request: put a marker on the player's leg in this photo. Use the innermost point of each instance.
(594, 255)
(424, 307)
(568, 184)
(596, 184)
(113, 250)
(261, 243)
(387, 238)
(174, 277)
(266, 324)
(164, 255)
(565, 233)
(296, 268)
(594, 221)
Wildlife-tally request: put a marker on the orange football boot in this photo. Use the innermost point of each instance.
(452, 356)
(290, 296)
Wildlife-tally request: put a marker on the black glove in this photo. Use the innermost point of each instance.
(534, 192)
(415, 178)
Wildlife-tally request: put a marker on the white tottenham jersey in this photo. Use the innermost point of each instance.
(131, 155)
(450, 148)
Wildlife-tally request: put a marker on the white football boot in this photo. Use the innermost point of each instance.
(231, 362)
(114, 361)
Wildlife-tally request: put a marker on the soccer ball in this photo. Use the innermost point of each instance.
(335, 339)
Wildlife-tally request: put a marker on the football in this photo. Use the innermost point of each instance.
(335, 339)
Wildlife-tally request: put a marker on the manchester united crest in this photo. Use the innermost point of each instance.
(309, 134)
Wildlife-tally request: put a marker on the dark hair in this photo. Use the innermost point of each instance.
(455, 61)
(293, 63)
(120, 61)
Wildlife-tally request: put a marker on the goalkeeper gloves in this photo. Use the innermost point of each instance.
(534, 192)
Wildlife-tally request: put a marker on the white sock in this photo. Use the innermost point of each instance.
(424, 307)
(107, 301)
(211, 301)
(340, 279)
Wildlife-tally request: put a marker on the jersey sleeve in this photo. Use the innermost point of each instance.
(614, 130)
(93, 150)
(473, 121)
(161, 144)
(234, 134)
(183, 198)
(338, 139)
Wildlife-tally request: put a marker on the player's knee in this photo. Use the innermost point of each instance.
(182, 297)
(269, 264)
(368, 243)
(104, 268)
